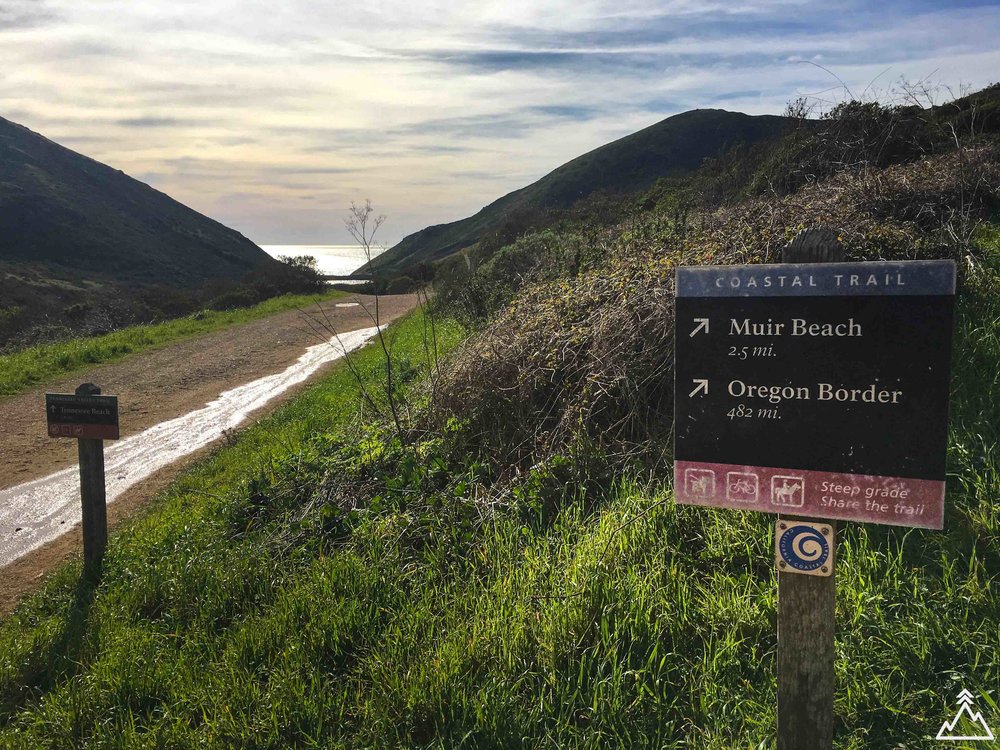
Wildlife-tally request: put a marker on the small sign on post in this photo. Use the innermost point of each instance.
(82, 415)
(90, 418)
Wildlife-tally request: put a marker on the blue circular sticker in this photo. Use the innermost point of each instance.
(804, 548)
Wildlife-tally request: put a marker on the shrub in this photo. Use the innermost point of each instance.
(579, 357)
(400, 285)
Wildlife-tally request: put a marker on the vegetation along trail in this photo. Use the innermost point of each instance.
(173, 402)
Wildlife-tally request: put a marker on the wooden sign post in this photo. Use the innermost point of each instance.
(813, 389)
(90, 418)
(807, 604)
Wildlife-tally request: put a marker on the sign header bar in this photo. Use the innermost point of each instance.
(896, 278)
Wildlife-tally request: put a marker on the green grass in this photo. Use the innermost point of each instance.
(39, 364)
(268, 602)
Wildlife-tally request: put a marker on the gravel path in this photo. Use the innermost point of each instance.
(154, 387)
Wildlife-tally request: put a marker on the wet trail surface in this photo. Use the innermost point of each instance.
(174, 402)
(38, 511)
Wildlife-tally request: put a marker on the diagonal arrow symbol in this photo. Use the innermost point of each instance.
(701, 386)
(702, 326)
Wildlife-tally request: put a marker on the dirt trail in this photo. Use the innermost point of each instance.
(156, 386)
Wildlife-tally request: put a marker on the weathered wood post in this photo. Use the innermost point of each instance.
(93, 494)
(807, 604)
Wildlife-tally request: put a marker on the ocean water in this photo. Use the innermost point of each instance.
(331, 259)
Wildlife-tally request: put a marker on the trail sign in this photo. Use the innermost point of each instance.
(82, 416)
(90, 418)
(819, 390)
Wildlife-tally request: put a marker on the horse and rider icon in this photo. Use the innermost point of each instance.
(788, 491)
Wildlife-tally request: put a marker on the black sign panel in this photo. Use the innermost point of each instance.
(817, 389)
(94, 417)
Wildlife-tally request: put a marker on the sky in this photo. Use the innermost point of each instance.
(273, 117)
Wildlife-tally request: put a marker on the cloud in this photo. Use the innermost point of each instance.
(271, 119)
(151, 122)
(469, 127)
(24, 14)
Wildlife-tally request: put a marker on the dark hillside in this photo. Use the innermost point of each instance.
(85, 249)
(670, 148)
(59, 208)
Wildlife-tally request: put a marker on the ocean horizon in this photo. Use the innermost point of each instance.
(338, 260)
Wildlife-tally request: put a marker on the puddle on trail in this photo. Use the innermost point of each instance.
(36, 512)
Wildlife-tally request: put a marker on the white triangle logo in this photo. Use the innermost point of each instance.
(974, 718)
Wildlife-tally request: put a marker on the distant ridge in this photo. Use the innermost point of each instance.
(61, 209)
(671, 147)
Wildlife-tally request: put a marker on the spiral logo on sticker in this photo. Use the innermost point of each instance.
(804, 548)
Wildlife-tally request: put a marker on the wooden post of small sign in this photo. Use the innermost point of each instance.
(93, 495)
(806, 603)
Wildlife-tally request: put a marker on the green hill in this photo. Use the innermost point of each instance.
(672, 147)
(61, 209)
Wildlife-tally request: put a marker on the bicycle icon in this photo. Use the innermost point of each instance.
(742, 487)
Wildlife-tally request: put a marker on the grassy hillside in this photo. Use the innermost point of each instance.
(60, 208)
(673, 147)
(509, 568)
(300, 590)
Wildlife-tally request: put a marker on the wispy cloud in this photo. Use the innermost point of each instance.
(21, 14)
(272, 117)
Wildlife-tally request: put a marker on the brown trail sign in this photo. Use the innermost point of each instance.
(90, 418)
(816, 388)
(82, 415)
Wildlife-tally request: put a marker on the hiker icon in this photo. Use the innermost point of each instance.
(699, 483)
(788, 492)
